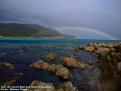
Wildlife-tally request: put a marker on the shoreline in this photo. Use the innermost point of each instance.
(57, 38)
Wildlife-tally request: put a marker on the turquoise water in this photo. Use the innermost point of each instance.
(22, 52)
(54, 40)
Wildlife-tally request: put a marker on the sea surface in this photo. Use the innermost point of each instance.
(21, 52)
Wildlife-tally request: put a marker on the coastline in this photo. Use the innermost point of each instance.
(55, 38)
(63, 51)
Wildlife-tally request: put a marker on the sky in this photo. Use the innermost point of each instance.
(86, 19)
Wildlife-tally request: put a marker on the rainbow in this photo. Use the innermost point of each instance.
(92, 30)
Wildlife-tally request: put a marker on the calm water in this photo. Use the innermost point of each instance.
(22, 52)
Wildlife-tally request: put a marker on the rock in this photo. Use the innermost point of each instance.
(89, 49)
(66, 86)
(11, 79)
(3, 53)
(62, 71)
(71, 61)
(88, 62)
(119, 66)
(52, 68)
(6, 65)
(110, 65)
(40, 65)
(82, 65)
(51, 57)
(41, 86)
(78, 48)
(103, 50)
(58, 70)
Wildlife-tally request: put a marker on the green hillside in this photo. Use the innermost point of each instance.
(26, 30)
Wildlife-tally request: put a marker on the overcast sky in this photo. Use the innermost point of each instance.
(99, 19)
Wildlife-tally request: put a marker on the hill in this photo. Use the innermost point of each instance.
(27, 30)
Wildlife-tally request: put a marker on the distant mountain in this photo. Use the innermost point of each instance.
(27, 30)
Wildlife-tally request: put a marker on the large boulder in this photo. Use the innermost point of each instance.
(40, 65)
(58, 70)
(51, 57)
(72, 61)
(66, 86)
(62, 71)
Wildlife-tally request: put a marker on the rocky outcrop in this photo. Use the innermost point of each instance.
(42, 86)
(119, 66)
(110, 65)
(66, 86)
(40, 65)
(51, 57)
(6, 65)
(72, 61)
(99, 49)
(110, 72)
(58, 70)
(90, 49)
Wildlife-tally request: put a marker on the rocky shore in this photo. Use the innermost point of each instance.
(110, 65)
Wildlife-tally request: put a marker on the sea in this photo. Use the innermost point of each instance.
(21, 52)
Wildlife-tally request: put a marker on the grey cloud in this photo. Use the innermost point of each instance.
(103, 15)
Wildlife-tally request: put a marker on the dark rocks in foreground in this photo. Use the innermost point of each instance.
(41, 86)
(110, 74)
(119, 66)
(58, 70)
(6, 65)
(11, 79)
(110, 65)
